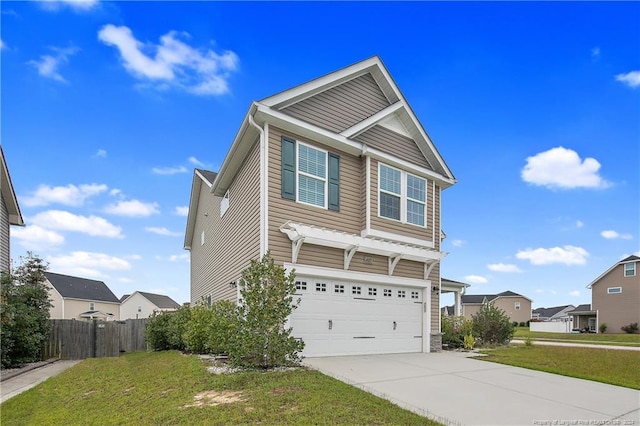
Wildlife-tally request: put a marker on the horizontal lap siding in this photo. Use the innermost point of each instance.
(5, 256)
(621, 309)
(409, 269)
(343, 106)
(388, 225)
(434, 277)
(231, 241)
(283, 210)
(395, 144)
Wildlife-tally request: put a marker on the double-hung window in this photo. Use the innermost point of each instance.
(310, 175)
(630, 269)
(402, 196)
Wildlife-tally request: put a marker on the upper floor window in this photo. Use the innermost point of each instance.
(517, 306)
(224, 204)
(630, 269)
(310, 175)
(614, 290)
(92, 306)
(402, 196)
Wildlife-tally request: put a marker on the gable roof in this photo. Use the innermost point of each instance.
(124, 297)
(200, 176)
(582, 309)
(81, 288)
(397, 115)
(628, 259)
(160, 300)
(470, 299)
(550, 312)
(8, 194)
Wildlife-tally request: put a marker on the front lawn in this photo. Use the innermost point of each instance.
(615, 367)
(170, 388)
(619, 339)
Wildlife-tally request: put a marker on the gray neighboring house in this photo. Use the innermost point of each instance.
(555, 313)
(141, 304)
(81, 298)
(9, 214)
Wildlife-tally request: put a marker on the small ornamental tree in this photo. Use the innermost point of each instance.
(492, 326)
(24, 312)
(261, 339)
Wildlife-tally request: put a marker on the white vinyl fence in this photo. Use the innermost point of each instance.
(552, 326)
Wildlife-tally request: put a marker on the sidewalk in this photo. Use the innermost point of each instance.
(578, 345)
(14, 384)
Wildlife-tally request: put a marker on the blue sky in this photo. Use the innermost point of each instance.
(108, 106)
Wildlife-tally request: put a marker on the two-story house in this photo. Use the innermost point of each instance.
(516, 306)
(339, 181)
(81, 298)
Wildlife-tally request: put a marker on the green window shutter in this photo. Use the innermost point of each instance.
(334, 182)
(288, 168)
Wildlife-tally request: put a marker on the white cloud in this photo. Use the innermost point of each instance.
(458, 243)
(612, 235)
(502, 267)
(195, 70)
(125, 280)
(595, 52)
(179, 257)
(564, 169)
(182, 210)
(48, 65)
(476, 279)
(87, 264)
(3, 45)
(631, 79)
(64, 221)
(567, 255)
(76, 5)
(574, 293)
(169, 170)
(162, 231)
(70, 195)
(133, 208)
(195, 161)
(579, 224)
(134, 257)
(34, 237)
(101, 153)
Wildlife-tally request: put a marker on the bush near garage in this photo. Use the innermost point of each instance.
(491, 326)
(454, 331)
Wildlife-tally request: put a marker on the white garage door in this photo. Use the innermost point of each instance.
(342, 318)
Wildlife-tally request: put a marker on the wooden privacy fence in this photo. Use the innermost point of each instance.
(71, 339)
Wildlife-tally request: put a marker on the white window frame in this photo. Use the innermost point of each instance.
(404, 198)
(202, 238)
(614, 290)
(301, 173)
(632, 269)
(92, 306)
(224, 203)
(517, 306)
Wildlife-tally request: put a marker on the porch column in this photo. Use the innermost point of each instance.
(458, 303)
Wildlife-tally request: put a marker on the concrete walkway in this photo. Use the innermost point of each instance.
(579, 345)
(452, 388)
(12, 386)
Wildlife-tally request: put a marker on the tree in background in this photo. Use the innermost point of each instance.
(24, 312)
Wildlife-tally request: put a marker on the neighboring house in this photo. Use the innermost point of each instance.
(615, 295)
(516, 306)
(448, 311)
(9, 214)
(142, 305)
(556, 313)
(81, 298)
(583, 318)
(338, 180)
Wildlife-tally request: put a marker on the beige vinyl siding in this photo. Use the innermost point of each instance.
(343, 106)
(507, 304)
(370, 263)
(409, 269)
(231, 241)
(617, 310)
(363, 193)
(434, 277)
(469, 310)
(348, 219)
(55, 312)
(394, 226)
(74, 307)
(5, 255)
(395, 144)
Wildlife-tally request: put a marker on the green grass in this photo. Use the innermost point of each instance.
(620, 339)
(612, 366)
(155, 388)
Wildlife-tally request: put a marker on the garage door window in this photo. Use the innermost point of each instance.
(415, 295)
(301, 285)
(322, 287)
(373, 291)
(338, 288)
(387, 293)
(401, 294)
(356, 290)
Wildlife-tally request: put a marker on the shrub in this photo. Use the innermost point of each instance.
(157, 331)
(454, 330)
(469, 341)
(24, 313)
(528, 341)
(492, 326)
(210, 329)
(177, 327)
(630, 328)
(522, 324)
(261, 339)
(514, 324)
(198, 329)
(603, 327)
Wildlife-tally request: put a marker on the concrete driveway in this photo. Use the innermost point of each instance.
(454, 389)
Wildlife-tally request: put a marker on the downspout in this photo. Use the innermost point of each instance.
(263, 187)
